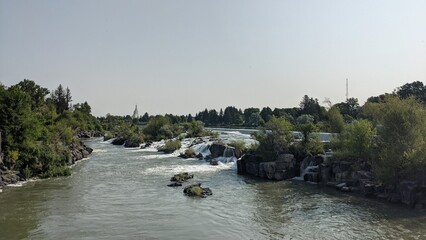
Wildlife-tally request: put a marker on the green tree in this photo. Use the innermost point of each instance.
(36, 93)
(266, 114)
(335, 120)
(401, 139)
(414, 89)
(61, 98)
(356, 140)
(274, 139)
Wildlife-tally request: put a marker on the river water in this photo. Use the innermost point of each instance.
(122, 194)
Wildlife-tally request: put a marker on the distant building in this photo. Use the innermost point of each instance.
(135, 113)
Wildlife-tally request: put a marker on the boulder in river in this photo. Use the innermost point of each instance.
(132, 143)
(118, 141)
(181, 177)
(217, 149)
(197, 190)
(189, 153)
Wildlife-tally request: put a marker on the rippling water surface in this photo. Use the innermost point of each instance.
(122, 194)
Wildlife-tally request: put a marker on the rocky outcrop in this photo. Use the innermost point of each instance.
(217, 150)
(10, 177)
(118, 141)
(189, 153)
(132, 143)
(78, 152)
(284, 167)
(89, 134)
(196, 190)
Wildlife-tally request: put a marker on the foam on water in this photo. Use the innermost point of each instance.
(108, 141)
(161, 155)
(99, 150)
(173, 169)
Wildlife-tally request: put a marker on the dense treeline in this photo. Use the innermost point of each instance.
(39, 128)
(387, 135)
(309, 111)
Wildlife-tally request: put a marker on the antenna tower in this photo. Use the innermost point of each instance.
(347, 90)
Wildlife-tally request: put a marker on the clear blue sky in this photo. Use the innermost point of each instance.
(183, 56)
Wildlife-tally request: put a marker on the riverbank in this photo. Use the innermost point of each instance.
(344, 175)
(79, 152)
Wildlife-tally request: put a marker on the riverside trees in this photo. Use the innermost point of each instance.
(37, 130)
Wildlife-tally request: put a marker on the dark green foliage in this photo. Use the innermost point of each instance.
(311, 106)
(37, 132)
(401, 141)
(266, 114)
(61, 98)
(414, 89)
(170, 146)
(356, 141)
(335, 121)
(349, 109)
(274, 139)
(311, 144)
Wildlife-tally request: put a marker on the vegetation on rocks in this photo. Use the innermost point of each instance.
(38, 130)
(170, 146)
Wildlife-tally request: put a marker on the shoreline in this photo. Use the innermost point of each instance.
(16, 176)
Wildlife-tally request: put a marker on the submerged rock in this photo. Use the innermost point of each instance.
(175, 184)
(181, 177)
(189, 153)
(197, 190)
(132, 143)
(217, 150)
(118, 141)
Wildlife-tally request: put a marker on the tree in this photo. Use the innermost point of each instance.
(61, 99)
(311, 106)
(248, 115)
(266, 114)
(305, 118)
(335, 120)
(36, 93)
(401, 139)
(349, 109)
(145, 117)
(274, 139)
(83, 107)
(254, 120)
(214, 117)
(356, 140)
(415, 89)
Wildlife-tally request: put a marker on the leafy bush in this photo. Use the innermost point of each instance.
(274, 139)
(356, 140)
(401, 139)
(189, 152)
(238, 144)
(27, 173)
(56, 171)
(170, 146)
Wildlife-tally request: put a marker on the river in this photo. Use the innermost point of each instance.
(121, 194)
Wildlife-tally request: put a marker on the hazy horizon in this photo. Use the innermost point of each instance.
(181, 57)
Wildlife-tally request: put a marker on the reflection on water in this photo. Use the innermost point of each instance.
(122, 194)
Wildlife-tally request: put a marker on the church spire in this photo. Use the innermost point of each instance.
(136, 112)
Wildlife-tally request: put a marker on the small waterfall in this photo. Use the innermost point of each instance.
(228, 152)
(305, 167)
(202, 148)
(227, 156)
